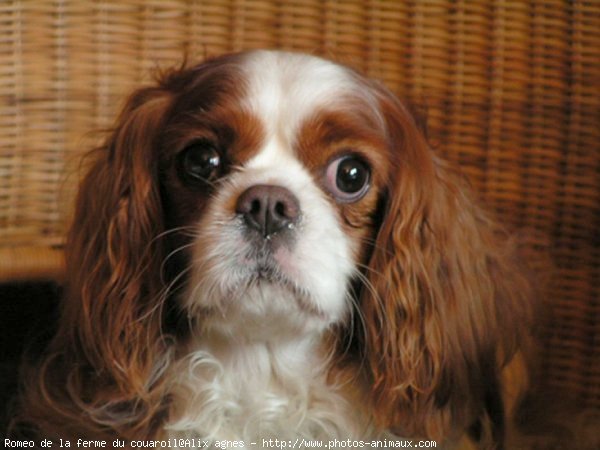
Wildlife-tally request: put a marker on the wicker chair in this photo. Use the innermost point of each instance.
(512, 90)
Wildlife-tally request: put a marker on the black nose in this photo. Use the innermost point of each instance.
(268, 209)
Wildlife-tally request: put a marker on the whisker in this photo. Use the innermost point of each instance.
(164, 293)
(170, 255)
(142, 269)
(374, 245)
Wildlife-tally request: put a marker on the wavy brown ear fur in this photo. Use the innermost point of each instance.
(447, 304)
(96, 370)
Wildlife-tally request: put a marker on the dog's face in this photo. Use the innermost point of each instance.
(273, 164)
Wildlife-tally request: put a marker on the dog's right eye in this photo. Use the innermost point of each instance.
(200, 162)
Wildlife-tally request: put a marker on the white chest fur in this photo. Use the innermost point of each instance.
(260, 390)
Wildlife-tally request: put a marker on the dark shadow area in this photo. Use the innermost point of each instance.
(28, 314)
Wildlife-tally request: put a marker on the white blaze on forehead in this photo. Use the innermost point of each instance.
(285, 88)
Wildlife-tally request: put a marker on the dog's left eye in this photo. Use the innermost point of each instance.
(347, 178)
(200, 162)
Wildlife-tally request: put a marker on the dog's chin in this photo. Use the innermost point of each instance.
(260, 304)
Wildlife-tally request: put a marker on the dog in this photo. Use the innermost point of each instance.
(266, 247)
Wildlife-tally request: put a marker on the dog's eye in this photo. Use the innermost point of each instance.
(348, 178)
(200, 162)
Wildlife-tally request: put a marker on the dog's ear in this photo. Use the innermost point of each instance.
(112, 248)
(99, 365)
(446, 303)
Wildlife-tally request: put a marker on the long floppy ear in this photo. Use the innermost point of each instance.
(98, 370)
(446, 304)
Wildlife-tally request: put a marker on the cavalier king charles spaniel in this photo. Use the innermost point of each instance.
(266, 247)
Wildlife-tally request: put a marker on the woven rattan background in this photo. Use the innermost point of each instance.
(512, 90)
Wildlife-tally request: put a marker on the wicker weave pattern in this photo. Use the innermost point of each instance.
(512, 90)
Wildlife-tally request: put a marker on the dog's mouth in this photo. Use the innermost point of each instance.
(264, 277)
(266, 273)
(261, 264)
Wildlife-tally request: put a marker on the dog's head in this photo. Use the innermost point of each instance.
(275, 195)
